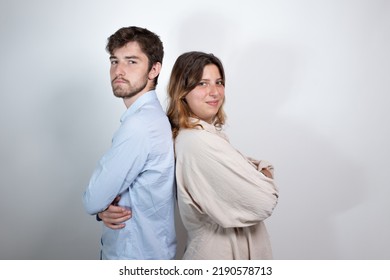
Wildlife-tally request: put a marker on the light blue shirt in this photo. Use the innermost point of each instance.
(139, 167)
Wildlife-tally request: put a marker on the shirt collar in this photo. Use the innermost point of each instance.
(142, 100)
(209, 128)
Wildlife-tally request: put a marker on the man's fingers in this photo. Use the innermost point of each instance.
(114, 226)
(121, 219)
(116, 219)
(115, 216)
(114, 209)
(116, 223)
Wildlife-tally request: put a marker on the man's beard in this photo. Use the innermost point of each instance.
(128, 91)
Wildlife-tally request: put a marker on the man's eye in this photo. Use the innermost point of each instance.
(114, 62)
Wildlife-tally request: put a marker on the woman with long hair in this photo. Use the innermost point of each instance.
(223, 196)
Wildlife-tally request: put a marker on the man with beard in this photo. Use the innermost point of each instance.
(135, 177)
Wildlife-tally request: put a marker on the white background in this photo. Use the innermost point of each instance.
(307, 89)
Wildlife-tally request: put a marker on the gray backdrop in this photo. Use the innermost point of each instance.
(307, 89)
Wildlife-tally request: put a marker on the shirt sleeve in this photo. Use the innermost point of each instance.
(221, 183)
(118, 168)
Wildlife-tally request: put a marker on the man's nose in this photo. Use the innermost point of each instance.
(119, 69)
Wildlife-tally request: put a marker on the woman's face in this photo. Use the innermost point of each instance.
(207, 97)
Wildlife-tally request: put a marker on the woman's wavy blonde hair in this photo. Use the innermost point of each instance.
(186, 73)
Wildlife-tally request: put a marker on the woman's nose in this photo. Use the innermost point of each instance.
(214, 89)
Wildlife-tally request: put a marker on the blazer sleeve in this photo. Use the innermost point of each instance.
(220, 182)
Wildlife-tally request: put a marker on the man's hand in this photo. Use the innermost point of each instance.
(114, 216)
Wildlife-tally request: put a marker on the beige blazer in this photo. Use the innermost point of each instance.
(223, 198)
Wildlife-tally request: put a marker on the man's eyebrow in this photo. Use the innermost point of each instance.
(132, 57)
(126, 57)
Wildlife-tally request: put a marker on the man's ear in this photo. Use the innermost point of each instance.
(155, 71)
